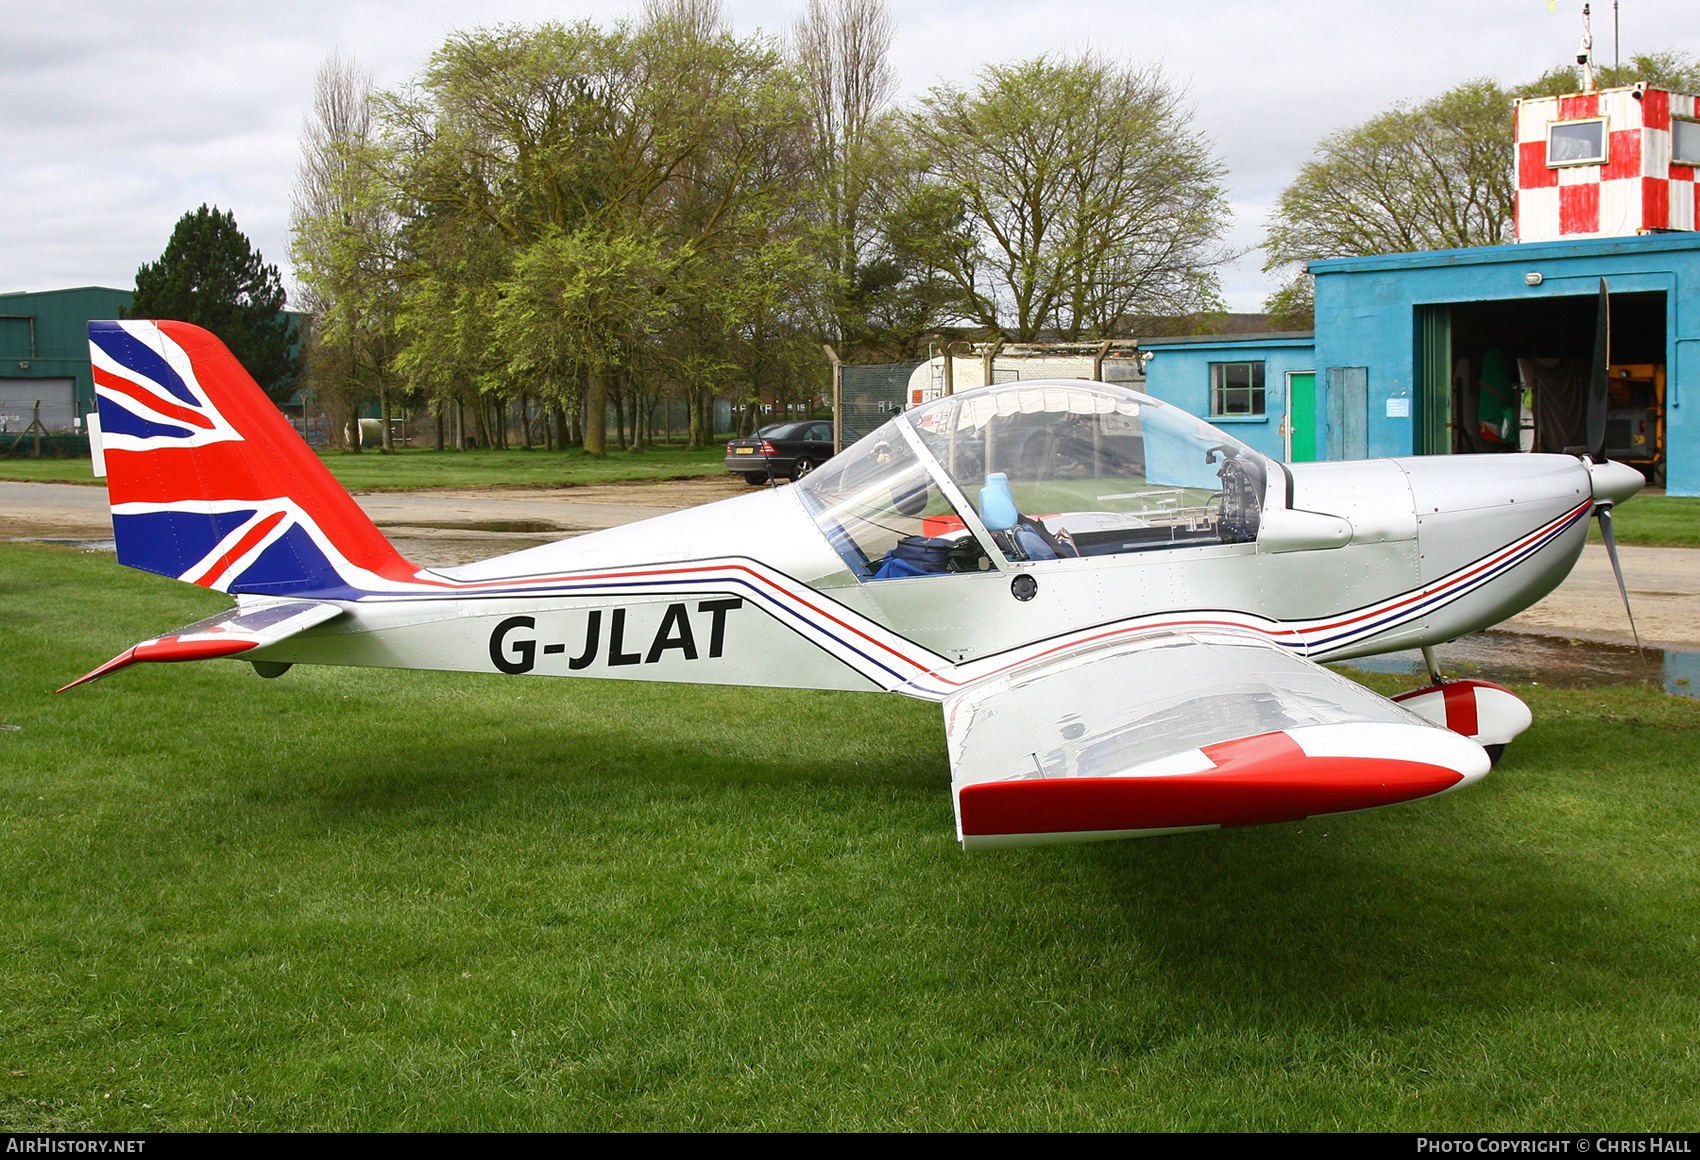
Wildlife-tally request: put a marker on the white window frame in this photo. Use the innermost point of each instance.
(1694, 121)
(1605, 143)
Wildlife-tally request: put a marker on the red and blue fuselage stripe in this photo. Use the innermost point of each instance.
(902, 663)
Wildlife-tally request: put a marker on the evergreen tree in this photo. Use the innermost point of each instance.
(211, 276)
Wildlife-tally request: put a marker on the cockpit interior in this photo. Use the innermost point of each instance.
(1030, 472)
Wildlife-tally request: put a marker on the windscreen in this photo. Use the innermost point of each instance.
(1071, 469)
(878, 505)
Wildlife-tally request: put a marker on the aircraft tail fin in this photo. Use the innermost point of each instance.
(211, 485)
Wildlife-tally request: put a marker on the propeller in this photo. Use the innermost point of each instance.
(1612, 482)
(1603, 512)
(1600, 378)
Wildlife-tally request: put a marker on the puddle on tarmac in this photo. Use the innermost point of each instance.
(1519, 658)
(107, 545)
(532, 527)
(448, 552)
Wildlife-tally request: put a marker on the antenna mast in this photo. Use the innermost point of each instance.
(1585, 51)
(1616, 56)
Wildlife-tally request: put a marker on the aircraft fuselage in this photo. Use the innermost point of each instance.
(750, 591)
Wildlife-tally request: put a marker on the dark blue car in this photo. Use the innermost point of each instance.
(783, 450)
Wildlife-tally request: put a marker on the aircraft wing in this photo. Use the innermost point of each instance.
(232, 631)
(1172, 732)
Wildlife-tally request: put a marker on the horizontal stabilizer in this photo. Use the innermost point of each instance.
(233, 631)
(1173, 732)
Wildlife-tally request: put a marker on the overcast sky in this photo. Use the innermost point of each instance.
(118, 117)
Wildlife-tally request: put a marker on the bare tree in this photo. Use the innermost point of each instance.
(696, 19)
(838, 50)
(340, 229)
(342, 115)
(1092, 194)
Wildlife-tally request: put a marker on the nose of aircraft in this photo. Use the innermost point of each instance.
(1614, 482)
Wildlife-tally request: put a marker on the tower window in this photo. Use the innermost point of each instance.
(1685, 141)
(1577, 142)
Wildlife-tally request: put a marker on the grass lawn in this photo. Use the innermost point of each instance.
(408, 469)
(47, 470)
(1656, 520)
(405, 470)
(370, 900)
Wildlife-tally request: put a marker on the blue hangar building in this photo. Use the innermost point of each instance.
(1490, 350)
(1485, 350)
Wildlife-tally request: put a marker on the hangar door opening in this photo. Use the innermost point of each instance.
(1512, 375)
(19, 399)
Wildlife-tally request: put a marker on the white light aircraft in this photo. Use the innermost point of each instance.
(1120, 608)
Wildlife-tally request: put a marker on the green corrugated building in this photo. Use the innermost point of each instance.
(44, 354)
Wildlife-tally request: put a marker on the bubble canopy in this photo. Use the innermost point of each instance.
(1050, 470)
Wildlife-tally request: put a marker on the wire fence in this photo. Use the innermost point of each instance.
(872, 394)
(15, 445)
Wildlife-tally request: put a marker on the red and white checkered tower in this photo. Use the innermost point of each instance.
(1606, 163)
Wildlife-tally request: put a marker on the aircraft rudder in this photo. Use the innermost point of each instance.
(208, 481)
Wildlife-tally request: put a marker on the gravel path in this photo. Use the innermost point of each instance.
(1664, 589)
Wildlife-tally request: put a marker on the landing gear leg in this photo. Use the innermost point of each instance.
(1433, 666)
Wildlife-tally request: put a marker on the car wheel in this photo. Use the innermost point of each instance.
(755, 478)
(803, 467)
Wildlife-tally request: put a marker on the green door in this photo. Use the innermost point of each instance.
(1301, 417)
(1432, 434)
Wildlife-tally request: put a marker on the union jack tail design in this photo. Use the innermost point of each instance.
(210, 484)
